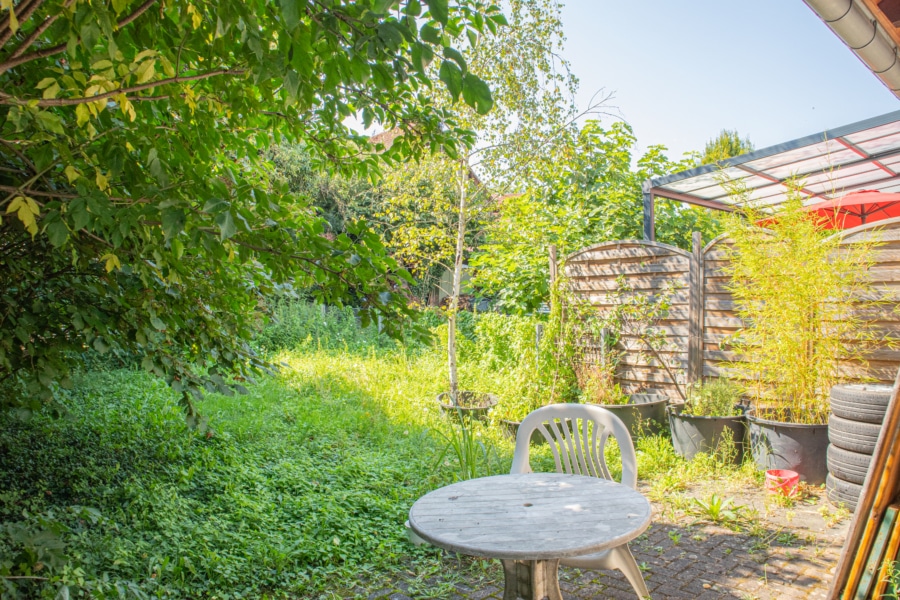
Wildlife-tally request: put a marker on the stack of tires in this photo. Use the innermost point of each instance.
(853, 430)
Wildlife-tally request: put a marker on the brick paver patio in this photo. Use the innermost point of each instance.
(784, 553)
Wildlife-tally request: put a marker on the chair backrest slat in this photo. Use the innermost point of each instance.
(577, 435)
(571, 446)
(588, 436)
(551, 441)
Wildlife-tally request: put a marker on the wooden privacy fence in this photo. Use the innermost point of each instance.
(703, 314)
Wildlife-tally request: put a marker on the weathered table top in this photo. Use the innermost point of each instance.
(533, 516)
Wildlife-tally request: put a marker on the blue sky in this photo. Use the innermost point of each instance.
(683, 71)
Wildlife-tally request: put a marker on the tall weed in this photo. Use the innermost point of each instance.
(302, 325)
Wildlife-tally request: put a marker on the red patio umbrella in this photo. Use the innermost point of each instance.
(856, 208)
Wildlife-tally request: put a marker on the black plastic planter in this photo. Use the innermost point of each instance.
(472, 405)
(794, 446)
(692, 435)
(645, 414)
(511, 428)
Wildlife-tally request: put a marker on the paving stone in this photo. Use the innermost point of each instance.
(793, 560)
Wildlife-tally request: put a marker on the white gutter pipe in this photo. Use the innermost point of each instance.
(856, 26)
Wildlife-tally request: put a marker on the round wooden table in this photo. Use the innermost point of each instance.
(530, 521)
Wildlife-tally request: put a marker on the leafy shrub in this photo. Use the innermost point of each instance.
(504, 342)
(808, 305)
(298, 324)
(718, 397)
(598, 386)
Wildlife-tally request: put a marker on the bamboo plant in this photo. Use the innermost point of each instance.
(799, 293)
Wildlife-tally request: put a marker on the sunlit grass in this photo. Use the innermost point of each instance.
(297, 488)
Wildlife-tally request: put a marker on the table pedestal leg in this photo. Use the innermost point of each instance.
(531, 580)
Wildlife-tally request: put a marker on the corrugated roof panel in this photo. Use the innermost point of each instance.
(840, 172)
(837, 187)
(720, 192)
(713, 192)
(882, 144)
(796, 155)
(776, 189)
(875, 132)
(825, 165)
(756, 181)
(814, 165)
(705, 180)
(687, 186)
(772, 202)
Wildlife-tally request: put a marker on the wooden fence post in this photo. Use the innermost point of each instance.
(695, 328)
(553, 271)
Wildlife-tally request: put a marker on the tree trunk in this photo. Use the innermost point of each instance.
(457, 280)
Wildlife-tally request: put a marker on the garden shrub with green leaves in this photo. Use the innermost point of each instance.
(807, 303)
(297, 324)
(716, 397)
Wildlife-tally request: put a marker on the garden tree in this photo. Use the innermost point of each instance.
(417, 215)
(533, 111)
(532, 118)
(589, 196)
(339, 199)
(532, 121)
(137, 211)
(533, 88)
(726, 145)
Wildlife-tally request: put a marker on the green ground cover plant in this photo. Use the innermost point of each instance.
(301, 483)
(297, 490)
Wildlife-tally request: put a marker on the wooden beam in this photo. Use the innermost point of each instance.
(884, 570)
(885, 530)
(695, 318)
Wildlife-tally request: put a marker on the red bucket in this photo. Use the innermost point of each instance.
(782, 481)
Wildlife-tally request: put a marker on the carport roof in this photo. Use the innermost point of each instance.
(863, 155)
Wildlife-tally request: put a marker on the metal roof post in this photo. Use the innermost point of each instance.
(649, 216)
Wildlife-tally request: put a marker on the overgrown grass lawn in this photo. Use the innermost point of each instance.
(298, 490)
(297, 487)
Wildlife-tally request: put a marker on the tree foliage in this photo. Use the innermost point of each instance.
(591, 195)
(533, 118)
(340, 199)
(138, 211)
(531, 122)
(726, 145)
(418, 213)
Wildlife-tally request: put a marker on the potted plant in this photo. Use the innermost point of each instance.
(471, 405)
(711, 420)
(797, 292)
(511, 412)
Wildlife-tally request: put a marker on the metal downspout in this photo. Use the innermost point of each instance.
(855, 25)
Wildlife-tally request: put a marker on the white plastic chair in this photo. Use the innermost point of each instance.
(577, 434)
